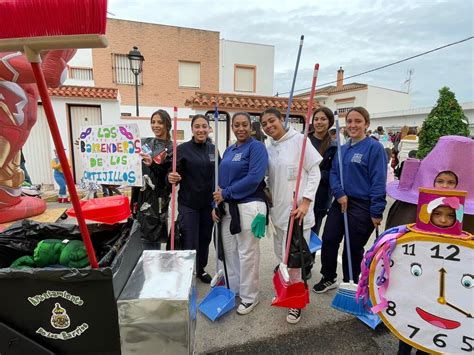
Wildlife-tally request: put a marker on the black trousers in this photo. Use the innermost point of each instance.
(360, 229)
(196, 230)
(318, 220)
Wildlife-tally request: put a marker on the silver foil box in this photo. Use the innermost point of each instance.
(157, 307)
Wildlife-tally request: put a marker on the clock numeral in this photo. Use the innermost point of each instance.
(450, 257)
(391, 308)
(409, 249)
(456, 252)
(466, 340)
(440, 343)
(415, 330)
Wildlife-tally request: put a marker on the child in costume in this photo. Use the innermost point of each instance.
(418, 277)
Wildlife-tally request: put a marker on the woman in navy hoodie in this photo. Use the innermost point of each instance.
(195, 174)
(364, 166)
(241, 175)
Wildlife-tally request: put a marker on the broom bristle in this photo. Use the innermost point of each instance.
(39, 18)
(346, 301)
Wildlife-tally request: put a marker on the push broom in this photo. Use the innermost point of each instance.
(218, 279)
(173, 186)
(294, 295)
(345, 299)
(31, 26)
(290, 100)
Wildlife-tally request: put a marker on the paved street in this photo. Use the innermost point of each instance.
(322, 329)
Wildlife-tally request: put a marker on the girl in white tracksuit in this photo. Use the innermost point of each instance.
(284, 151)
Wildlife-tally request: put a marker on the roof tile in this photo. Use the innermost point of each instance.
(246, 102)
(84, 92)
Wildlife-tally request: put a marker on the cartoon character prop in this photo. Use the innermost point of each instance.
(18, 113)
(420, 280)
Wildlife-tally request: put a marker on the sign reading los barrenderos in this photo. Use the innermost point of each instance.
(111, 154)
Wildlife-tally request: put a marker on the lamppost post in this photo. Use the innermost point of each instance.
(136, 66)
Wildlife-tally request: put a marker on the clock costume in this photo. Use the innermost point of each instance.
(419, 278)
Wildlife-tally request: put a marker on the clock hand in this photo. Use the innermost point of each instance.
(469, 315)
(441, 298)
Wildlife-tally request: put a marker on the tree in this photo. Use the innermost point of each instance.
(446, 118)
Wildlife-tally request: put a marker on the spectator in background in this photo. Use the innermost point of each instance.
(332, 133)
(23, 167)
(408, 143)
(60, 179)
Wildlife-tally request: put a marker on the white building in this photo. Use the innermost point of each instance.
(413, 117)
(246, 68)
(345, 96)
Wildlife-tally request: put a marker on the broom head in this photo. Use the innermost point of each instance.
(52, 24)
(346, 301)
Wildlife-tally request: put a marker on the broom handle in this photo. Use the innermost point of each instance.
(216, 180)
(173, 186)
(346, 221)
(300, 167)
(290, 101)
(53, 127)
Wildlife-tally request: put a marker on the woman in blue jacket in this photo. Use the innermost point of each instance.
(241, 183)
(195, 174)
(364, 166)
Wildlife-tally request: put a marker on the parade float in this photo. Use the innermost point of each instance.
(66, 288)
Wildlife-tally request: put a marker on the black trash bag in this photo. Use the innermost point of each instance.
(22, 237)
(152, 214)
(299, 246)
(220, 211)
(178, 238)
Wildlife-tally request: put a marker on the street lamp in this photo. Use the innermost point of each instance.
(136, 66)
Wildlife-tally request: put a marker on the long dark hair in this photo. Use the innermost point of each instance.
(327, 141)
(166, 119)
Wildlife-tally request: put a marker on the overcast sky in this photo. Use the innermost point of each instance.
(357, 35)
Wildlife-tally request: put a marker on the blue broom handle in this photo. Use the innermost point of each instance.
(290, 101)
(346, 221)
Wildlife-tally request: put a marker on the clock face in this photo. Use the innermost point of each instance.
(430, 294)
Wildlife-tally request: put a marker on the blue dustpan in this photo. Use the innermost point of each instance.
(369, 318)
(372, 320)
(218, 302)
(314, 242)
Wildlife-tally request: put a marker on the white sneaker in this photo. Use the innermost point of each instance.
(294, 315)
(246, 308)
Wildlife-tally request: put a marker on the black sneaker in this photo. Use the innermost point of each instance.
(205, 277)
(294, 315)
(324, 285)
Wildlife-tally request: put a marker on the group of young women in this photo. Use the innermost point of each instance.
(248, 168)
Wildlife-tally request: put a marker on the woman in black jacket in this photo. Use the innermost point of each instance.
(195, 174)
(153, 214)
(323, 119)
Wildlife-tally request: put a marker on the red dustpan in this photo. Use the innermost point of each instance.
(108, 210)
(288, 294)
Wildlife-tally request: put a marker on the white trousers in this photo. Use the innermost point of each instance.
(279, 246)
(242, 251)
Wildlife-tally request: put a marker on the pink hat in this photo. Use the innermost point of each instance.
(428, 201)
(453, 153)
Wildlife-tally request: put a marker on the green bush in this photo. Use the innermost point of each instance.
(445, 119)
